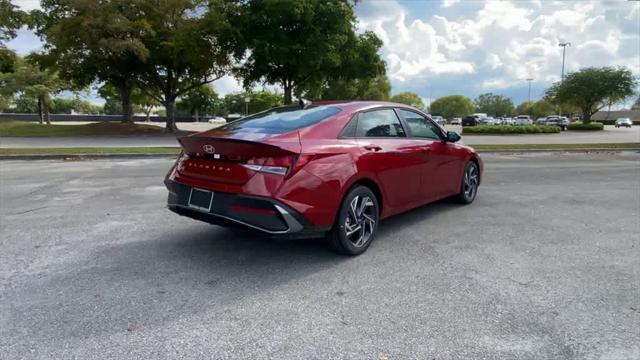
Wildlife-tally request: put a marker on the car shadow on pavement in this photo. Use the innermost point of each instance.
(196, 270)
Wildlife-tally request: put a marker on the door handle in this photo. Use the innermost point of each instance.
(372, 147)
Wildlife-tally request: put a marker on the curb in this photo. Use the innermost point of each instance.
(586, 150)
(72, 156)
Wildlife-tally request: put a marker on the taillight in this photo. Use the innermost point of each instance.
(281, 165)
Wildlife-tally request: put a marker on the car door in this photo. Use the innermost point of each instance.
(388, 153)
(440, 173)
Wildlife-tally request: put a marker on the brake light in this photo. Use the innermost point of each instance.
(282, 165)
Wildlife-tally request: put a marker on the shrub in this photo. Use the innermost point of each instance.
(586, 127)
(511, 129)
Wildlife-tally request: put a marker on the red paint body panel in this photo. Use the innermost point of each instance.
(408, 172)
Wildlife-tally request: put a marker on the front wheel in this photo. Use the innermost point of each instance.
(357, 222)
(469, 184)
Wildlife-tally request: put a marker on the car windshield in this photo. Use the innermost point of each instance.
(284, 119)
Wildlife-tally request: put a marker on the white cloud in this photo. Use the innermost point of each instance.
(503, 42)
(449, 3)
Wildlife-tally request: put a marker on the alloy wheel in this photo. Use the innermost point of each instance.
(361, 220)
(470, 184)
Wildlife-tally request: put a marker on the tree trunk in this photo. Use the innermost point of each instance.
(169, 106)
(43, 102)
(127, 108)
(147, 112)
(40, 114)
(287, 92)
(586, 115)
(197, 117)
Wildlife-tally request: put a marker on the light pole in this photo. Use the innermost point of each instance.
(529, 101)
(564, 48)
(529, 80)
(246, 105)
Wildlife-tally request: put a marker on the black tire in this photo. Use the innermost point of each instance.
(364, 218)
(469, 183)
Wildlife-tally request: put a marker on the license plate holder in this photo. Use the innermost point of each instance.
(200, 199)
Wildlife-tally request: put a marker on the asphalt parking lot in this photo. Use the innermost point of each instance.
(544, 265)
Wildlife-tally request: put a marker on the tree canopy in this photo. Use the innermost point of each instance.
(494, 105)
(302, 44)
(202, 100)
(452, 106)
(408, 98)
(592, 89)
(11, 19)
(258, 101)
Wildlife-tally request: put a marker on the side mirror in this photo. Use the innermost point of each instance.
(452, 136)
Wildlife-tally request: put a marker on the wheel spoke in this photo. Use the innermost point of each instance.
(353, 209)
(350, 230)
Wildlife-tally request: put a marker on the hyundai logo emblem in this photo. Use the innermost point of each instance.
(209, 149)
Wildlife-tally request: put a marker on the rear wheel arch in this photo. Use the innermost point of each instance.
(371, 184)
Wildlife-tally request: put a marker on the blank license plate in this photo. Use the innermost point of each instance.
(201, 199)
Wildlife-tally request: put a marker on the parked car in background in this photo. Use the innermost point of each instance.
(541, 121)
(556, 120)
(456, 121)
(507, 121)
(488, 121)
(522, 120)
(471, 120)
(333, 170)
(626, 122)
(439, 119)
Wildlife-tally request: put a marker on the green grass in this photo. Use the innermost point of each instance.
(23, 128)
(601, 146)
(509, 129)
(90, 151)
(592, 126)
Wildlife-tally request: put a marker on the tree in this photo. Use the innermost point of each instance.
(199, 101)
(140, 101)
(25, 104)
(300, 44)
(536, 109)
(187, 46)
(636, 105)
(8, 62)
(33, 80)
(95, 41)
(408, 98)
(494, 105)
(592, 89)
(377, 88)
(11, 19)
(452, 106)
(258, 101)
(74, 105)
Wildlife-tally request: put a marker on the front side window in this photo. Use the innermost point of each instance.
(419, 125)
(379, 123)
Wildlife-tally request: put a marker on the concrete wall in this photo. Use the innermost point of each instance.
(75, 117)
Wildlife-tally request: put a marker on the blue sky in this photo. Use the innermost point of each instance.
(442, 47)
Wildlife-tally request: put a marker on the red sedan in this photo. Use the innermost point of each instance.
(331, 169)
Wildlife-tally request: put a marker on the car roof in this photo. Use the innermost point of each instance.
(351, 105)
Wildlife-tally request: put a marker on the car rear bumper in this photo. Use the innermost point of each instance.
(255, 213)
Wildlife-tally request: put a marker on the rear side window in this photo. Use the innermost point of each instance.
(379, 123)
(285, 119)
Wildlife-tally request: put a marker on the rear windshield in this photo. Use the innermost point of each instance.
(284, 119)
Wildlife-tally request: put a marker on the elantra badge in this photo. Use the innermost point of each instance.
(209, 149)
